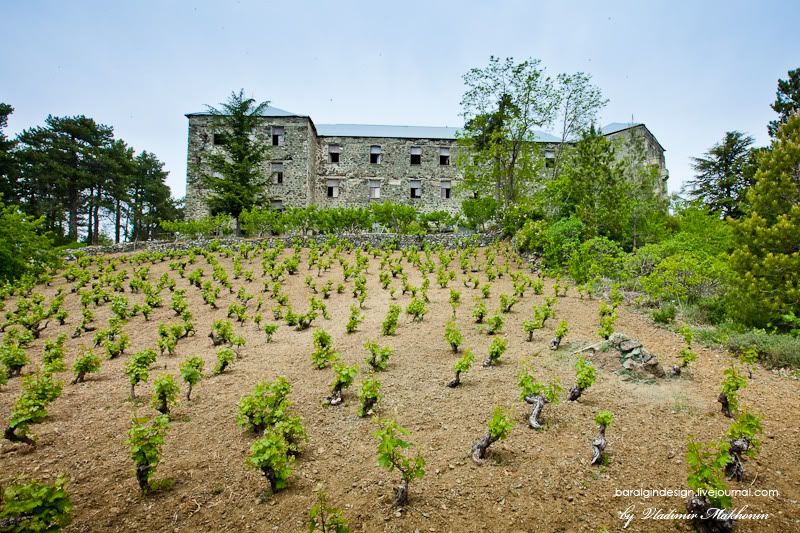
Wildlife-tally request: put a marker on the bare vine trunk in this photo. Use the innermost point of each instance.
(456, 381)
(726, 407)
(574, 393)
(704, 520)
(401, 494)
(11, 434)
(478, 451)
(336, 396)
(735, 469)
(598, 445)
(537, 402)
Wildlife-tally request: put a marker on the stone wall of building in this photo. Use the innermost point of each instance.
(395, 173)
(631, 139)
(299, 144)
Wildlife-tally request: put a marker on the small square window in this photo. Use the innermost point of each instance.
(333, 188)
(277, 172)
(219, 139)
(333, 153)
(446, 190)
(276, 204)
(374, 189)
(416, 189)
(375, 154)
(278, 136)
(444, 156)
(416, 155)
(549, 158)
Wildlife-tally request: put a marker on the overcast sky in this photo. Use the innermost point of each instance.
(690, 70)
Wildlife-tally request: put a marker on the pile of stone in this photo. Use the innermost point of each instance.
(634, 357)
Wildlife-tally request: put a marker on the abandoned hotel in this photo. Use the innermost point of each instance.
(338, 165)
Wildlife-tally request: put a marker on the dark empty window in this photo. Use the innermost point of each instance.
(549, 158)
(446, 190)
(333, 188)
(219, 139)
(374, 154)
(416, 155)
(444, 156)
(278, 135)
(416, 189)
(333, 153)
(277, 172)
(276, 204)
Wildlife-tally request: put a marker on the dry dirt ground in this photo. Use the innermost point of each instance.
(533, 481)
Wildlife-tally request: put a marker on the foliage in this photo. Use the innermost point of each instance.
(765, 258)
(192, 371)
(730, 386)
(464, 363)
(88, 363)
(479, 312)
(325, 518)
(146, 438)
(356, 317)
(138, 366)
(391, 447)
(225, 357)
(389, 326)
(529, 387)
(270, 454)
(38, 391)
(724, 174)
(266, 406)
(368, 394)
(417, 309)
(585, 374)
(500, 424)
(604, 418)
(343, 376)
(13, 357)
(787, 100)
(453, 336)
(269, 331)
(598, 257)
(706, 471)
(378, 355)
(562, 330)
(497, 349)
(774, 350)
(34, 506)
(234, 168)
(748, 426)
(608, 315)
(323, 354)
(494, 324)
(165, 393)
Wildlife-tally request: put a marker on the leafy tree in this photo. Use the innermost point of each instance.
(266, 406)
(503, 105)
(86, 364)
(34, 506)
(25, 247)
(8, 162)
(38, 391)
(165, 393)
(724, 174)
(499, 427)
(765, 258)
(453, 336)
(234, 170)
(369, 394)
(325, 518)
(787, 100)
(270, 454)
(461, 366)
(706, 478)
(585, 375)
(192, 372)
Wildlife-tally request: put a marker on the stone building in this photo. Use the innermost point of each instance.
(336, 165)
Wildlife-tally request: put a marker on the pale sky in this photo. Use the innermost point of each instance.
(690, 70)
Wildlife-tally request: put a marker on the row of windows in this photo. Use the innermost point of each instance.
(277, 134)
(415, 189)
(375, 153)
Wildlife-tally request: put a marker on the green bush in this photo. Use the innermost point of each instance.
(38, 391)
(368, 394)
(501, 424)
(378, 357)
(325, 518)
(88, 363)
(34, 506)
(146, 438)
(191, 372)
(389, 326)
(453, 336)
(774, 350)
(270, 454)
(165, 393)
(266, 406)
(597, 257)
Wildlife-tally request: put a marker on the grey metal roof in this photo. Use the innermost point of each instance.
(615, 127)
(401, 132)
(268, 111)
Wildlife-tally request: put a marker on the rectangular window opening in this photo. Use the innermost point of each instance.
(333, 188)
(444, 156)
(375, 154)
(219, 139)
(446, 190)
(416, 189)
(333, 153)
(374, 189)
(278, 136)
(549, 158)
(416, 155)
(277, 172)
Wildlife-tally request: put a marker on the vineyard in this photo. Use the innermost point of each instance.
(227, 389)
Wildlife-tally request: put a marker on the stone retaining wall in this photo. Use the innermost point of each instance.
(448, 240)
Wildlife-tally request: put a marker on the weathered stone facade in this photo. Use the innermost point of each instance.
(414, 165)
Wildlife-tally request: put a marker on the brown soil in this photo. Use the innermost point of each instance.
(533, 481)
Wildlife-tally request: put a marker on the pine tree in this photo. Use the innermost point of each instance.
(787, 100)
(766, 259)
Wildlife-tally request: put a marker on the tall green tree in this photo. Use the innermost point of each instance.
(149, 198)
(504, 104)
(724, 174)
(766, 258)
(234, 170)
(580, 102)
(787, 100)
(25, 247)
(8, 164)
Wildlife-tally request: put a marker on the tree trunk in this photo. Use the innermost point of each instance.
(96, 238)
(336, 396)
(574, 393)
(478, 452)
(143, 477)
(11, 435)
(133, 392)
(726, 408)
(555, 343)
(117, 220)
(735, 469)
(704, 520)
(598, 445)
(401, 494)
(79, 378)
(269, 473)
(538, 402)
(189, 393)
(456, 381)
